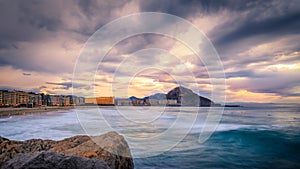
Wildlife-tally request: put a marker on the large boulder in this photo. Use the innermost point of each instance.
(110, 148)
(51, 160)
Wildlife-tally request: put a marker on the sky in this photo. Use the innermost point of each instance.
(257, 42)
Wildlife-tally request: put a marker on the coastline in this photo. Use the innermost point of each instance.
(11, 111)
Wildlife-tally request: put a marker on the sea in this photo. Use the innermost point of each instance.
(252, 136)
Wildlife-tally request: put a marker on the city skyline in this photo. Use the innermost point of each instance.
(257, 44)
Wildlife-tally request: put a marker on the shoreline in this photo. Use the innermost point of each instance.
(11, 111)
(20, 111)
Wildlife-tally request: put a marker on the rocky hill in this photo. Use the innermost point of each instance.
(186, 97)
(183, 96)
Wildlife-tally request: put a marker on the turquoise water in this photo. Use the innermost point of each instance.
(247, 137)
(267, 137)
(243, 148)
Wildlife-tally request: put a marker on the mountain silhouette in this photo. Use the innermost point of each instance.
(186, 97)
(183, 96)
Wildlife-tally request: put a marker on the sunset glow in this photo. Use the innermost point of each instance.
(39, 54)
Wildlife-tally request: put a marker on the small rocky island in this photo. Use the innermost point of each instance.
(78, 152)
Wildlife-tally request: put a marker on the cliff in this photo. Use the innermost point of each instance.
(114, 152)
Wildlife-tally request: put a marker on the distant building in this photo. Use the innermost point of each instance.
(55, 100)
(137, 102)
(153, 102)
(34, 99)
(73, 100)
(124, 102)
(8, 98)
(79, 100)
(140, 102)
(172, 102)
(105, 101)
(1, 98)
(11, 98)
(162, 102)
(20, 98)
(46, 99)
(31, 99)
(90, 101)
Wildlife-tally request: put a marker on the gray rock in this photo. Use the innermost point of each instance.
(51, 160)
(111, 148)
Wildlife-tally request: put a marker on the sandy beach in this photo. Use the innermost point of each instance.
(11, 111)
(4, 112)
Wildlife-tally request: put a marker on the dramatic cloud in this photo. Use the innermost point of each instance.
(257, 40)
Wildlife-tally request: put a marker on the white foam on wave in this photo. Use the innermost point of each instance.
(231, 126)
(227, 127)
(5, 119)
(39, 126)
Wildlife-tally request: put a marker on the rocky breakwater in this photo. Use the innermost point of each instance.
(111, 151)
